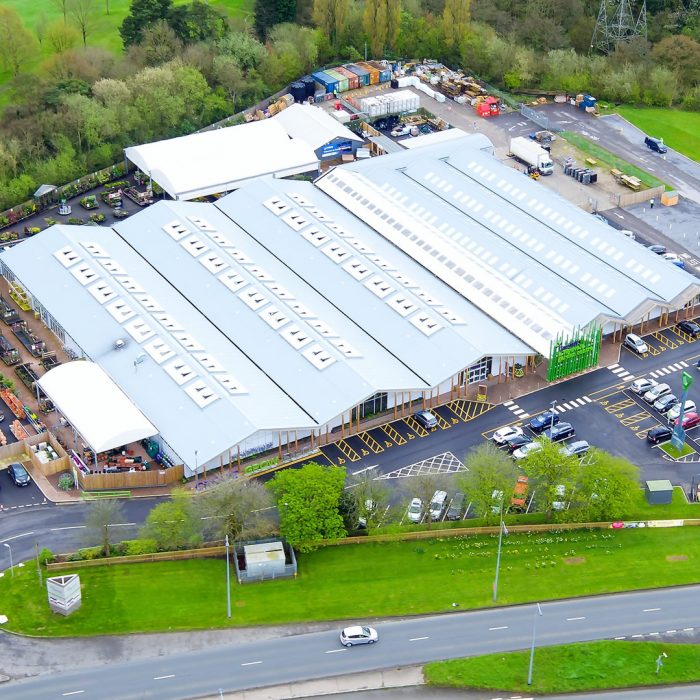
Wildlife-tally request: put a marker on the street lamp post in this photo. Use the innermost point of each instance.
(228, 583)
(498, 556)
(9, 549)
(551, 420)
(538, 613)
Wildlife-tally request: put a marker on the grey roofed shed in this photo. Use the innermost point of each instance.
(659, 491)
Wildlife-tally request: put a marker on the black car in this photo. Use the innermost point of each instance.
(19, 474)
(690, 327)
(561, 431)
(518, 441)
(655, 144)
(660, 433)
(426, 419)
(456, 509)
(543, 421)
(657, 248)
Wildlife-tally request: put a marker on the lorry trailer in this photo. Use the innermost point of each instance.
(532, 154)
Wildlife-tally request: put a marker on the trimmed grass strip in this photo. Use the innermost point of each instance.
(572, 668)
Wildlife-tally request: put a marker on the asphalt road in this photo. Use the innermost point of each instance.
(668, 612)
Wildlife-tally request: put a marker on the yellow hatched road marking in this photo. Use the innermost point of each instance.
(415, 426)
(620, 405)
(347, 450)
(394, 434)
(371, 442)
(442, 423)
(636, 419)
(667, 341)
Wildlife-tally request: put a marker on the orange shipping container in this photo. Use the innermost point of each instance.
(353, 80)
(373, 73)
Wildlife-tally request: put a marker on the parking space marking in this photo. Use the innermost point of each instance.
(445, 463)
(368, 440)
(415, 426)
(442, 423)
(665, 340)
(468, 410)
(620, 405)
(636, 419)
(393, 435)
(686, 337)
(347, 450)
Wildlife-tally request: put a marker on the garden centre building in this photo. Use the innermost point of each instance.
(287, 308)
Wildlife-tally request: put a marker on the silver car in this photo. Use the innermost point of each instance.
(415, 510)
(358, 635)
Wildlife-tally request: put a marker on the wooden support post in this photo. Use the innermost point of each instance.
(221, 464)
(296, 440)
(342, 424)
(279, 445)
(396, 398)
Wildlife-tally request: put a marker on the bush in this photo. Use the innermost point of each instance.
(134, 547)
(88, 553)
(66, 481)
(46, 556)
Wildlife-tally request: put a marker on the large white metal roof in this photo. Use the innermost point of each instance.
(221, 160)
(313, 125)
(95, 406)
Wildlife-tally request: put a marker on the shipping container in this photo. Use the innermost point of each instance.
(325, 81)
(343, 85)
(361, 73)
(384, 71)
(353, 80)
(373, 72)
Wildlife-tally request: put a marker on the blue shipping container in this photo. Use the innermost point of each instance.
(361, 73)
(326, 81)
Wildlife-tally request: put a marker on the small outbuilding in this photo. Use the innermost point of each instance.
(264, 560)
(659, 492)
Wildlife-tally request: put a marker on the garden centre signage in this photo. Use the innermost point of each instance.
(64, 593)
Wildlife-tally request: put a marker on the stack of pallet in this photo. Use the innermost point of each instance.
(17, 429)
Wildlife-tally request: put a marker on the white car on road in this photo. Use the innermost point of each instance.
(641, 386)
(504, 434)
(636, 344)
(526, 450)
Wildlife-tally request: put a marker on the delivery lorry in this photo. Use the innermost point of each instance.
(532, 154)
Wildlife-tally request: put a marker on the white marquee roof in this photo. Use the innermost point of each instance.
(95, 406)
(313, 125)
(221, 160)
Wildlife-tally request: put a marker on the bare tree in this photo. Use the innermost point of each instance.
(41, 26)
(83, 12)
(62, 5)
(101, 516)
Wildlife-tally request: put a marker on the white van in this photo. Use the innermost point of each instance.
(437, 503)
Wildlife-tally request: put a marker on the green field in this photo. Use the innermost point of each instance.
(679, 130)
(572, 668)
(105, 30)
(362, 581)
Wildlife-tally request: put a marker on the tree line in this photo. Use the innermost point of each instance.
(188, 65)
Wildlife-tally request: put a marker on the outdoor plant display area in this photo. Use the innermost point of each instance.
(397, 578)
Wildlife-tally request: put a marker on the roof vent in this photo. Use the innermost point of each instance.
(120, 343)
(318, 356)
(201, 393)
(295, 336)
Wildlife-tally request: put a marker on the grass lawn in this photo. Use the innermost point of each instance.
(572, 668)
(678, 509)
(104, 31)
(361, 581)
(671, 451)
(610, 160)
(678, 129)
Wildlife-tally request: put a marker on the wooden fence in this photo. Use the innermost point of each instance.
(131, 480)
(628, 198)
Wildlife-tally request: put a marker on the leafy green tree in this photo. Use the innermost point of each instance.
(660, 87)
(307, 501)
(299, 41)
(17, 45)
(455, 17)
(197, 21)
(269, 13)
(489, 470)
(229, 75)
(245, 49)
(370, 496)
(423, 486)
(607, 489)
(549, 471)
(160, 43)
(174, 524)
(331, 17)
(682, 54)
(239, 508)
(101, 516)
(142, 14)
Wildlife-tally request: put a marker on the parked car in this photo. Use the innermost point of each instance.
(655, 144)
(641, 386)
(427, 419)
(402, 130)
(675, 259)
(561, 431)
(628, 234)
(657, 248)
(636, 344)
(519, 499)
(656, 392)
(501, 436)
(518, 441)
(415, 510)
(675, 410)
(560, 503)
(659, 433)
(19, 474)
(690, 420)
(437, 503)
(456, 509)
(690, 327)
(526, 450)
(666, 402)
(358, 635)
(577, 448)
(543, 421)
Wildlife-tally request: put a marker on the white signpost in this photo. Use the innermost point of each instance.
(64, 593)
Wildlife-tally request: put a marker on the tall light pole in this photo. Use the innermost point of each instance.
(228, 583)
(538, 613)
(498, 556)
(9, 549)
(551, 421)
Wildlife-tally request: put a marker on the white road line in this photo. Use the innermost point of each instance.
(251, 663)
(366, 469)
(572, 619)
(671, 631)
(518, 411)
(509, 403)
(636, 636)
(524, 415)
(121, 524)
(653, 374)
(74, 692)
(619, 638)
(560, 409)
(567, 407)
(684, 363)
(417, 639)
(67, 527)
(580, 402)
(688, 629)
(334, 651)
(651, 610)
(160, 678)
(678, 366)
(653, 634)
(15, 537)
(613, 366)
(491, 629)
(587, 399)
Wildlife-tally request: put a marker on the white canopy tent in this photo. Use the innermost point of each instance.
(95, 406)
(313, 125)
(222, 160)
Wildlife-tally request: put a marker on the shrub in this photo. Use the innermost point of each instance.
(74, 220)
(66, 481)
(46, 556)
(145, 546)
(88, 553)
